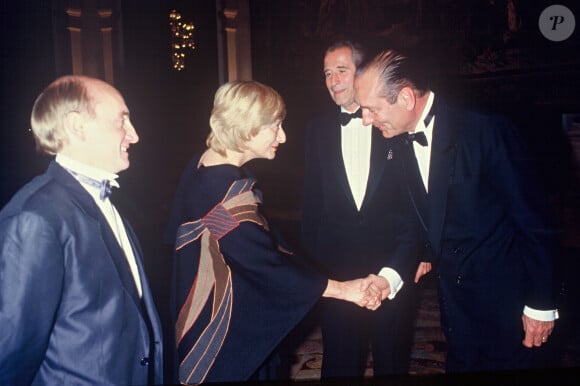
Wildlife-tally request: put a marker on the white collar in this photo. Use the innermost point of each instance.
(343, 110)
(86, 170)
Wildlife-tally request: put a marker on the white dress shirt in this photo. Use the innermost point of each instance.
(106, 207)
(356, 155)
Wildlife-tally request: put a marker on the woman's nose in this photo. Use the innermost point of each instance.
(281, 138)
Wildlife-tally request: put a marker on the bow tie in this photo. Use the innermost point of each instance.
(346, 117)
(419, 137)
(104, 186)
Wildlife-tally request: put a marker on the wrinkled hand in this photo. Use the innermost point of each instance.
(359, 291)
(537, 332)
(423, 269)
(380, 285)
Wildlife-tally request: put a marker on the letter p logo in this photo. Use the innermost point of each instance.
(557, 23)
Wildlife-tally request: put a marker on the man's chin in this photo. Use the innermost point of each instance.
(122, 166)
(386, 133)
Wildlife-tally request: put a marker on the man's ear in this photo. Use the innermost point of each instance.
(73, 123)
(407, 98)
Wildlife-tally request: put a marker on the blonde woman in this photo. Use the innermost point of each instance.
(238, 291)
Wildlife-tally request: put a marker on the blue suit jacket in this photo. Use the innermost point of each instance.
(69, 313)
(347, 242)
(487, 220)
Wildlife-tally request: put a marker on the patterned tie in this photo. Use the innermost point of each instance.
(104, 186)
(346, 117)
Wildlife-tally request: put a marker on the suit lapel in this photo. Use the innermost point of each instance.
(333, 151)
(414, 184)
(120, 260)
(149, 310)
(379, 159)
(85, 201)
(443, 153)
(145, 304)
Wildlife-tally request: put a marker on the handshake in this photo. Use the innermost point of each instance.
(367, 292)
(370, 291)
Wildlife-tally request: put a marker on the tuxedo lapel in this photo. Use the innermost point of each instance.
(415, 185)
(379, 159)
(333, 150)
(441, 169)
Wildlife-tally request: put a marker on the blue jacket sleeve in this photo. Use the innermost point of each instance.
(31, 277)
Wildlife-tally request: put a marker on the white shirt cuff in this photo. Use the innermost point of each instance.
(543, 316)
(394, 280)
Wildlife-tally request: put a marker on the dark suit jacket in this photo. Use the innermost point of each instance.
(69, 313)
(488, 223)
(350, 243)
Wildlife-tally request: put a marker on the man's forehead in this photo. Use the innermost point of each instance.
(103, 91)
(340, 66)
(339, 62)
(342, 53)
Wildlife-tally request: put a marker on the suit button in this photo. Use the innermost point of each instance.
(458, 279)
(456, 250)
(145, 361)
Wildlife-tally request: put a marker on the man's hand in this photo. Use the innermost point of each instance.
(358, 291)
(537, 332)
(379, 285)
(423, 269)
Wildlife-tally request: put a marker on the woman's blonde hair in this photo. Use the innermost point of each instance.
(64, 95)
(240, 110)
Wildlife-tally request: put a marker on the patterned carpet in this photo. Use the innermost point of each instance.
(428, 352)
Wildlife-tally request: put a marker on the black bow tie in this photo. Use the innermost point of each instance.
(346, 117)
(419, 137)
(104, 186)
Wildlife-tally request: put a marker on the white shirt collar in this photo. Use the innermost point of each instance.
(86, 170)
(428, 130)
(343, 110)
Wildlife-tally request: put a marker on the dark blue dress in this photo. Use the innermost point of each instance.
(237, 292)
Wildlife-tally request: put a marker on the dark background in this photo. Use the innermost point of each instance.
(466, 45)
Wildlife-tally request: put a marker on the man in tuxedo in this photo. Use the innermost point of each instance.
(75, 305)
(484, 213)
(355, 222)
